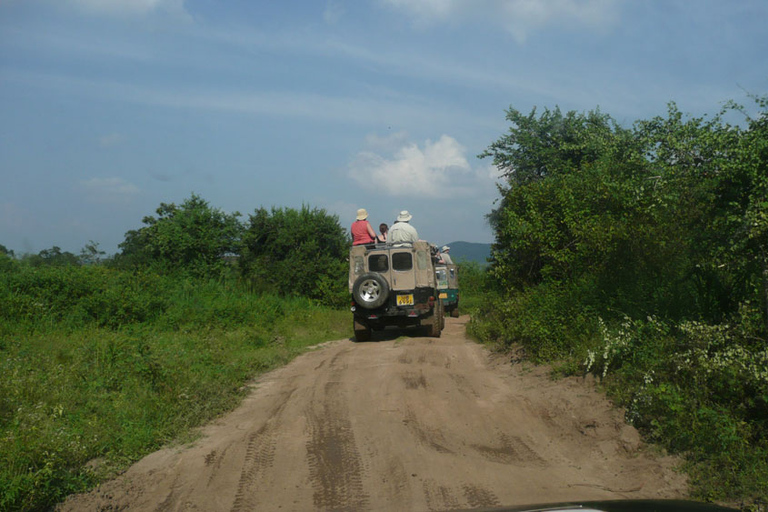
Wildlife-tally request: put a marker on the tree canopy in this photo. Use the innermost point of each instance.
(282, 250)
(296, 252)
(668, 216)
(191, 237)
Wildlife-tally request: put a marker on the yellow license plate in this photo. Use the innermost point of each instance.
(443, 295)
(405, 300)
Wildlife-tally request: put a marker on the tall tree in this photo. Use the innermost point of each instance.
(191, 237)
(296, 252)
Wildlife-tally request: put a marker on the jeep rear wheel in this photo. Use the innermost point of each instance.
(434, 323)
(370, 290)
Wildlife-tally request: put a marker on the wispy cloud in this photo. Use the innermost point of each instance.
(518, 17)
(356, 109)
(108, 190)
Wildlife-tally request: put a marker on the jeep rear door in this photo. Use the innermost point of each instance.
(401, 264)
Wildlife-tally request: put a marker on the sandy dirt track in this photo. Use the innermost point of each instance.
(409, 423)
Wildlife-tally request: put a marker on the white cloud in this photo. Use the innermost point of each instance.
(109, 190)
(439, 169)
(518, 17)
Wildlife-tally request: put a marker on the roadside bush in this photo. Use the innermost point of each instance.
(297, 253)
(550, 322)
(699, 390)
(475, 287)
(75, 296)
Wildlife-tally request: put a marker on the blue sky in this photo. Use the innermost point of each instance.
(110, 107)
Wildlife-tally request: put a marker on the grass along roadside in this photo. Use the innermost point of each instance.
(70, 397)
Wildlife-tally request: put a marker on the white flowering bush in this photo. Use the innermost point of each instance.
(626, 343)
(714, 353)
(698, 389)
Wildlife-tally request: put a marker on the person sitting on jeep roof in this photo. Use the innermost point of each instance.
(383, 228)
(401, 231)
(445, 256)
(362, 232)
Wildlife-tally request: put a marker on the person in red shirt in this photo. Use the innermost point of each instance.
(362, 232)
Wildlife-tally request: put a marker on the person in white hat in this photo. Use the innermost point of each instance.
(401, 231)
(362, 231)
(445, 256)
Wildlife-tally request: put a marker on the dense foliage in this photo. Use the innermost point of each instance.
(282, 250)
(192, 237)
(641, 254)
(297, 252)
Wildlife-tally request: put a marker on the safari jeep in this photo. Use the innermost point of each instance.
(448, 288)
(394, 285)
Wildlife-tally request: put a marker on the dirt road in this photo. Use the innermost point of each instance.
(405, 423)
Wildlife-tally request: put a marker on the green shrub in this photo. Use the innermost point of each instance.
(549, 322)
(78, 296)
(296, 253)
(697, 389)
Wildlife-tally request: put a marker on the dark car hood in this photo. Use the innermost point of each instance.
(616, 506)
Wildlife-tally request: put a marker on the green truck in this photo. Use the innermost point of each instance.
(448, 288)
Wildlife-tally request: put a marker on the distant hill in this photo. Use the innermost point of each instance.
(468, 251)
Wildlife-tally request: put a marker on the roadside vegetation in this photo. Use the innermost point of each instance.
(641, 255)
(105, 359)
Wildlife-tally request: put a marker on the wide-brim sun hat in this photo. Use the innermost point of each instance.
(404, 216)
(445, 249)
(362, 214)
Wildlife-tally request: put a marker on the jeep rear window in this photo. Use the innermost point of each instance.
(402, 261)
(442, 278)
(378, 263)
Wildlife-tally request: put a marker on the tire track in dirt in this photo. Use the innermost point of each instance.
(259, 457)
(440, 497)
(424, 435)
(510, 450)
(478, 497)
(335, 468)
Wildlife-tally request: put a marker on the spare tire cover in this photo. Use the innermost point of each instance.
(370, 290)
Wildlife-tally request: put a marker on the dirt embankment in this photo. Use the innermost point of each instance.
(406, 423)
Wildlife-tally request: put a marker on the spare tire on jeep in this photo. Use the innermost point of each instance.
(370, 290)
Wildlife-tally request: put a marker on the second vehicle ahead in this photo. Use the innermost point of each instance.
(448, 286)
